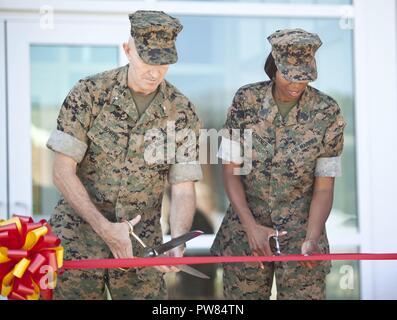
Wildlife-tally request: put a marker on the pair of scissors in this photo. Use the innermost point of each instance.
(160, 250)
(278, 251)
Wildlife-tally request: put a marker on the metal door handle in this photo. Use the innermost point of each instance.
(22, 205)
(3, 207)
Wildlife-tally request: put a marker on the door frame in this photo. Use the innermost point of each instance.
(3, 124)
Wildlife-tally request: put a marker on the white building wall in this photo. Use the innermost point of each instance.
(376, 133)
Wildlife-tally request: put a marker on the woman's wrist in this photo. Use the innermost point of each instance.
(247, 219)
(314, 234)
(249, 226)
(316, 241)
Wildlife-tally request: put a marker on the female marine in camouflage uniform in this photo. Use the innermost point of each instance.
(297, 140)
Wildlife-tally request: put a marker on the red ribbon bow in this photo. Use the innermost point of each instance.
(30, 257)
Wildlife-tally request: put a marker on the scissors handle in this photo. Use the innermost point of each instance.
(278, 251)
(138, 239)
(150, 253)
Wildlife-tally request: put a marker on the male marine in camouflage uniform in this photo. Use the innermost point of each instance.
(102, 169)
(293, 157)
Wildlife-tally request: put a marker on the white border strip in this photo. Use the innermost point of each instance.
(3, 127)
(363, 152)
(376, 148)
(19, 120)
(193, 8)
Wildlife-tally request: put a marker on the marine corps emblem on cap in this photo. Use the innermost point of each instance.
(154, 34)
(294, 51)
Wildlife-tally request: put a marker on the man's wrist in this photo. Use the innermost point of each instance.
(101, 226)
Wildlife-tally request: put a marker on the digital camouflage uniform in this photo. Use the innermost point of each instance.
(287, 155)
(99, 127)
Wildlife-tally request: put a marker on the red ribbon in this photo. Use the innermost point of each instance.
(26, 246)
(150, 262)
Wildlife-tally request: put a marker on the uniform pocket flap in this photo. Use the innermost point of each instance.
(109, 136)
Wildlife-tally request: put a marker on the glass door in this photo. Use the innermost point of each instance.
(44, 64)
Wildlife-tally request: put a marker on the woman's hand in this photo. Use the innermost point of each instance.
(310, 247)
(258, 239)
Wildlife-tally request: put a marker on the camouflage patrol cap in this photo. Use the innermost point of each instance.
(154, 34)
(293, 51)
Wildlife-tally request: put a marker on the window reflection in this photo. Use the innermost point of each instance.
(54, 70)
(217, 55)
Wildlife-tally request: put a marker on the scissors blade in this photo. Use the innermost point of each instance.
(173, 243)
(190, 270)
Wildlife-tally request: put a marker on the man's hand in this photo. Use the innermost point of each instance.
(117, 237)
(183, 205)
(310, 247)
(177, 252)
(174, 253)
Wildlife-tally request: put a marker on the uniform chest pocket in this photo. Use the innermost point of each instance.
(110, 134)
(152, 180)
(262, 148)
(161, 168)
(305, 153)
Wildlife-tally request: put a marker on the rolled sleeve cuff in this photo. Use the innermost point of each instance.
(328, 167)
(229, 151)
(62, 142)
(182, 172)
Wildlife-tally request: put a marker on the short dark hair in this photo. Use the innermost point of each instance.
(270, 67)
